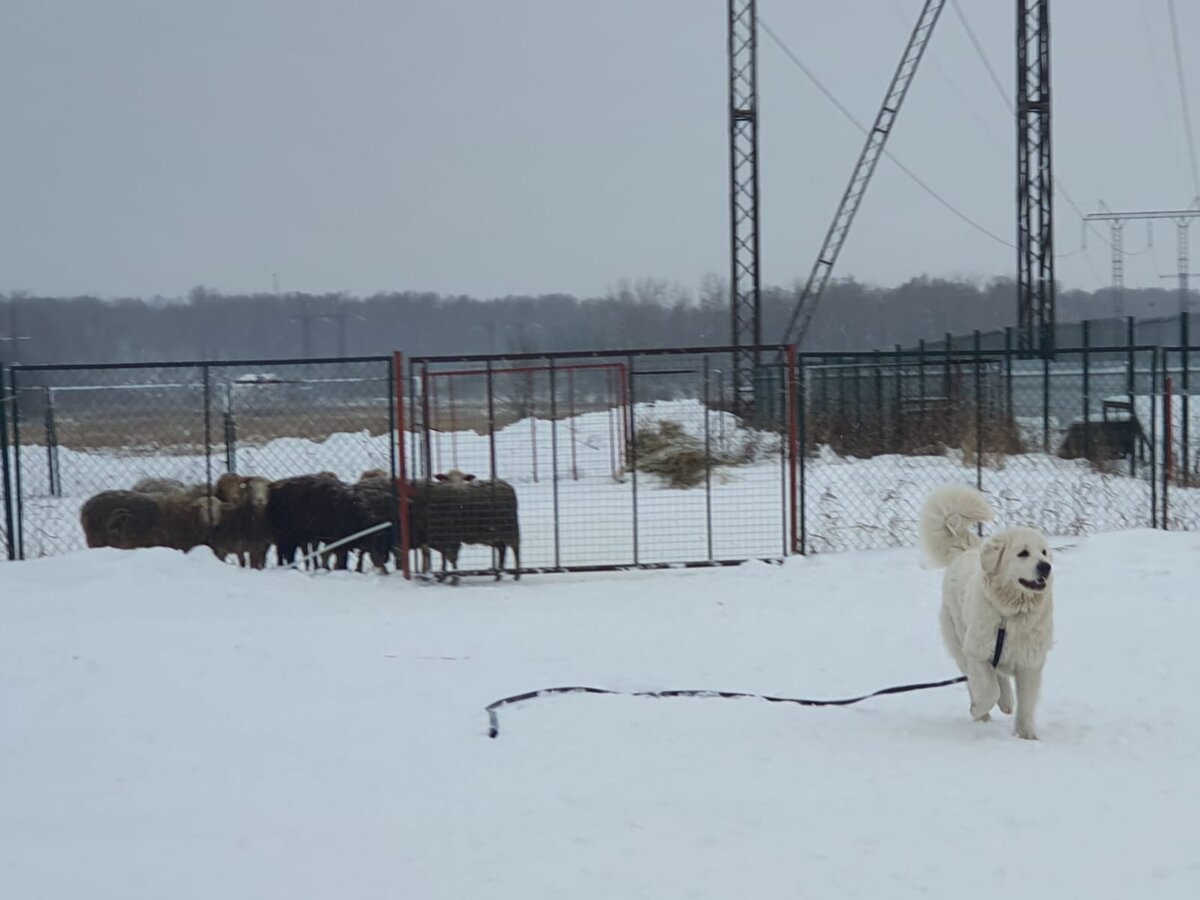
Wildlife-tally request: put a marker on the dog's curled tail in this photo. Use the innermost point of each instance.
(948, 520)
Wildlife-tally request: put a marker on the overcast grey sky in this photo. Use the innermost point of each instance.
(495, 147)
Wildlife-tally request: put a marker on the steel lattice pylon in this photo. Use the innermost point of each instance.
(1035, 184)
(881, 129)
(744, 282)
(1183, 219)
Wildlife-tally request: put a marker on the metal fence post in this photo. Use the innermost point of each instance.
(1008, 375)
(1167, 441)
(632, 453)
(18, 485)
(840, 362)
(979, 439)
(1087, 397)
(878, 406)
(53, 470)
(5, 470)
(230, 429)
(858, 406)
(1131, 386)
(1185, 420)
(426, 438)
(947, 391)
(399, 423)
(1154, 388)
(801, 413)
(207, 395)
(708, 520)
(554, 457)
(1045, 402)
(793, 446)
(921, 387)
(897, 413)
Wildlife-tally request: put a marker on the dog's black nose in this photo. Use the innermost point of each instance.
(1043, 568)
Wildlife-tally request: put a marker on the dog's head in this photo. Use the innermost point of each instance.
(1017, 565)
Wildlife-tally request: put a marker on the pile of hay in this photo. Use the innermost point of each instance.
(665, 449)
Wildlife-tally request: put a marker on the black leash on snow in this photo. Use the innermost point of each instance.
(494, 718)
(493, 708)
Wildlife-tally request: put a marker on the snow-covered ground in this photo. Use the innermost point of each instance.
(175, 727)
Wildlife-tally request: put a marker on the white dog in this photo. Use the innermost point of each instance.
(1002, 586)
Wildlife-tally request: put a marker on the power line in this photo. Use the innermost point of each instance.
(962, 18)
(1160, 92)
(950, 83)
(1183, 98)
(829, 95)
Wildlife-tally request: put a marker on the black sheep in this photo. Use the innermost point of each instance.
(309, 510)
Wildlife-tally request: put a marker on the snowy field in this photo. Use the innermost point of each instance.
(175, 727)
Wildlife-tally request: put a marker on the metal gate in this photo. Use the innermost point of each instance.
(618, 459)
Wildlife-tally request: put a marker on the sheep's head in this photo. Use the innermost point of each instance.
(258, 491)
(454, 476)
(241, 490)
(230, 487)
(208, 511)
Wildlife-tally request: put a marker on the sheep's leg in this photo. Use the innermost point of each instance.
(451, 554)
(500, 549)
(516, 548)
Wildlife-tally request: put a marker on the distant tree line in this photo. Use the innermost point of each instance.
(208, 325)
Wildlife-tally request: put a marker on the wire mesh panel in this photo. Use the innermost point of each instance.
(279, 420)
(553, 428)
(1180, 445)
(710, 485)
(83, 430)
(616, 459)
(80, 432)
(880, 431)
(1066, 446)
(1080, 456)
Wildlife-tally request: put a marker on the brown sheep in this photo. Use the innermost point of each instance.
(244, 531)
(159, 486)
(459, 509)
(131, 519)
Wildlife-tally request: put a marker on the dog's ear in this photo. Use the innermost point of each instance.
(991, 553)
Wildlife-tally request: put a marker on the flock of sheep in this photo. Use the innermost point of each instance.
(244, 515)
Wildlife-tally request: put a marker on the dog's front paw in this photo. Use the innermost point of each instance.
(1027, 733)
(980, 714)
(1006, 707)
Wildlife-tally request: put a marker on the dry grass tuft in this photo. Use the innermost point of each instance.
(665, 449)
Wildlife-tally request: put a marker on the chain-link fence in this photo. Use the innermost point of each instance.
(1097, 439)
(617, 459)
(621, 459)
(77, 431)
